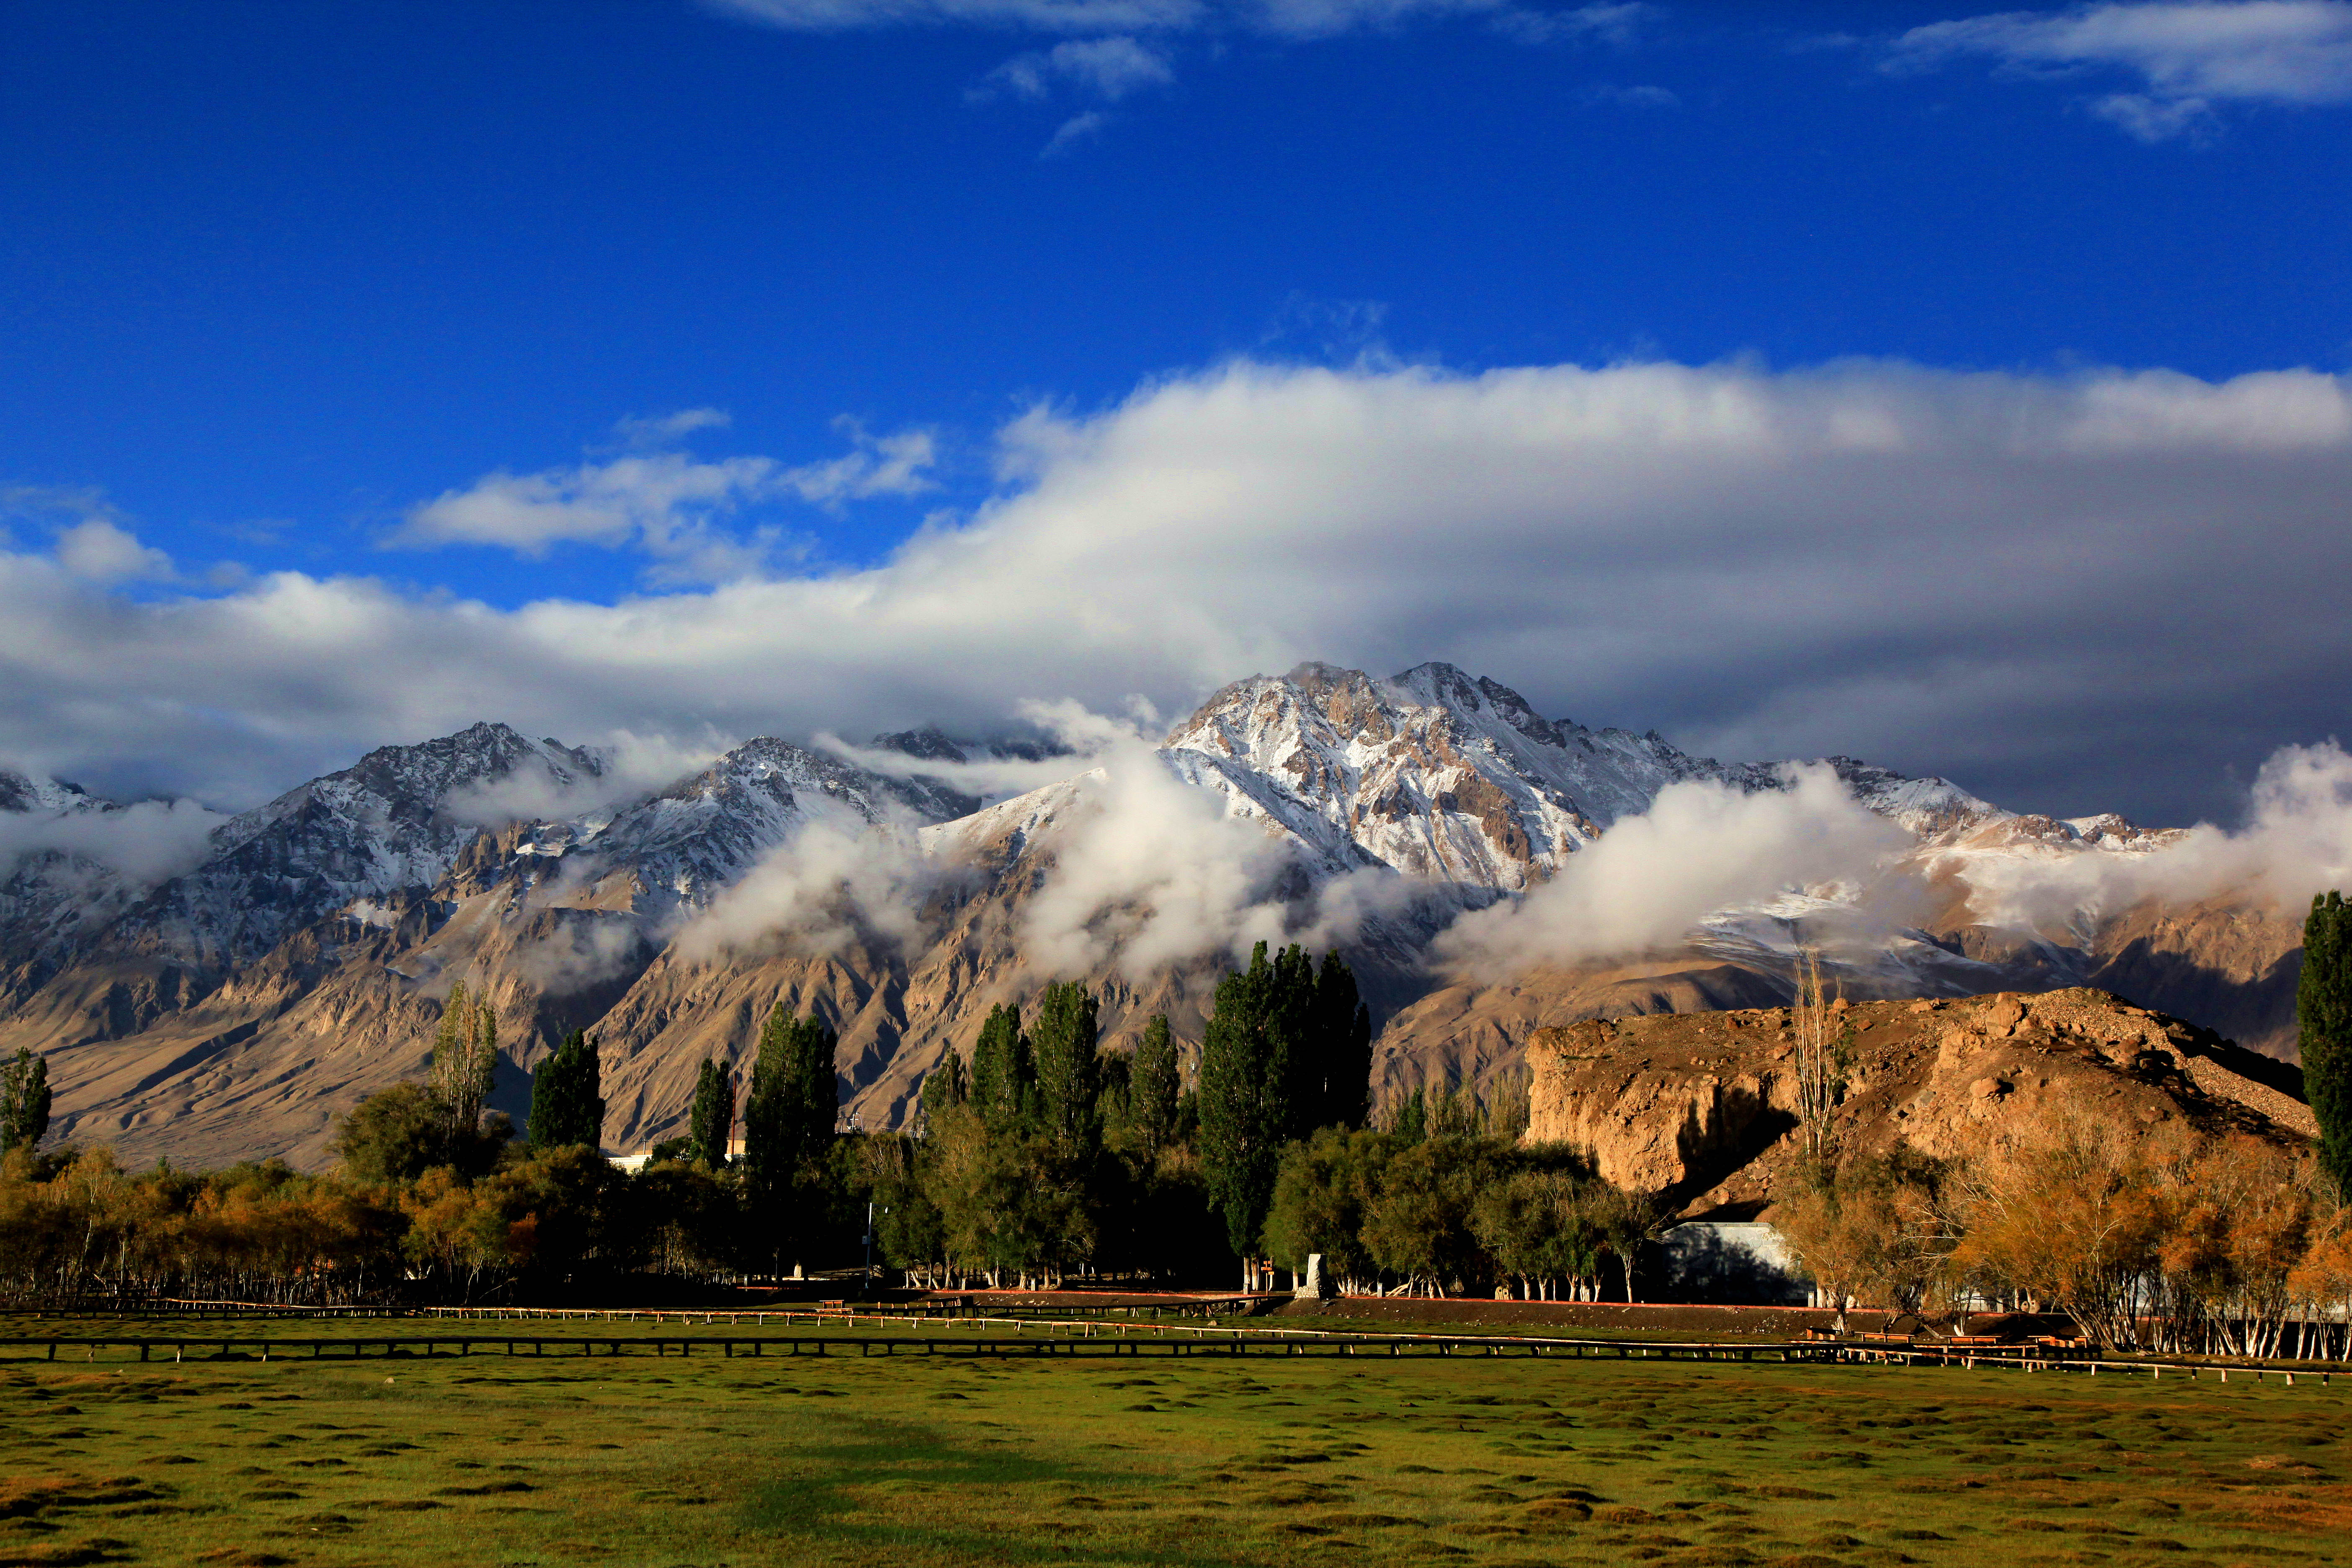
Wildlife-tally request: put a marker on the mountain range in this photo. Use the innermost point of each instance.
(228, 1005)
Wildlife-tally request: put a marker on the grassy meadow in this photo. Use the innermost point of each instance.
(568, 1459)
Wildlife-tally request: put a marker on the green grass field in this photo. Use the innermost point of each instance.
(705, 1461)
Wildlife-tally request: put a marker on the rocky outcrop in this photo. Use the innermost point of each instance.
(1704, 1106)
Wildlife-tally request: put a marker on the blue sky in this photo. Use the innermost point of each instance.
(443, 312)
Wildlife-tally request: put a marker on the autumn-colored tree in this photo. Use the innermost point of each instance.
(1872, 1233)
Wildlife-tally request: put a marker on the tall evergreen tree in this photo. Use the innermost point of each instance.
(1287, 1007)
(1003, 1070)
(23, 1100)
(1154, 1081)
(567, 1102)
(710, 1124)
(1066, 1046)
(1245, 1109)
(1343, 1047)
(788, 1124)
(2323, 1014)
(1286, 1051)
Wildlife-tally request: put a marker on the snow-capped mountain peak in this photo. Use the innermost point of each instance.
(26, 794)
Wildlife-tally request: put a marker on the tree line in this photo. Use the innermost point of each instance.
(1035, 1156)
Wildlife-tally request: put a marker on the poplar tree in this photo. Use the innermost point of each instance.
(710, 1125)
(2323, 1012)
(1003, 1070)
(465, 1060)
(788, 1122)
(24, 1101)
(567, 1102)
(1154, 1081)
(1286, 1050)
(1064, 1045)
(945, 1087)
(1343, 1047)
(1245, 1099)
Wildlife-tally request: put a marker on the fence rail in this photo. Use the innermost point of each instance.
(1130, 1345)
(1167, 1343)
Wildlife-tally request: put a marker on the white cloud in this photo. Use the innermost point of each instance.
(2101, 589)
(1150, 870)
(2296, 842)
(1645, 883)
(881, 466)
(839, 879)
(98, 550)
(146, 842)
(1334, 19)
(674, 507)
(668, 429)
(990, 777)
(2156, 119)
(1615, 23)
(92, 545)
(582, 951)
(1073, 131)
(2187, 56)
(1108, 68)
(1080, 16)
(1620, 25)
(632, 765)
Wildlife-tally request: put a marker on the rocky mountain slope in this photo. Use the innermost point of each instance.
(230, 1010)
(1704, 1106)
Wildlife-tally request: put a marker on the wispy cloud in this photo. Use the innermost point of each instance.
(1115, 47)
(677, 509)
(1076, 17)
(1278, 18)
(1079, 128)
(2184, 58)
(1334, 331)
(1620, 25)
(1108, 68)
(668, 429)
(1607, 95)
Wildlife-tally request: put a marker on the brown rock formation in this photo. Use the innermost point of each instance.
(1704, 1106)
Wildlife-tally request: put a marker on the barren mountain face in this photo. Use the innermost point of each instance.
(230, 1009)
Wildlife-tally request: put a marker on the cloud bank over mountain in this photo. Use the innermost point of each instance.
(2049, 585)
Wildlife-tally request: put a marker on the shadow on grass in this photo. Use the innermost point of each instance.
(812, 1504)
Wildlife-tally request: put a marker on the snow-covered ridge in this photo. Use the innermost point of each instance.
(682, 845)
(1444, 778)
(1447, 777)
(23, 794)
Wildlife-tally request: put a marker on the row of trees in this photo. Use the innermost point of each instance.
(2150, 1239)
(1455, 1211)
(74, 1224)
(1039, 1156)
(1035, 1156)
